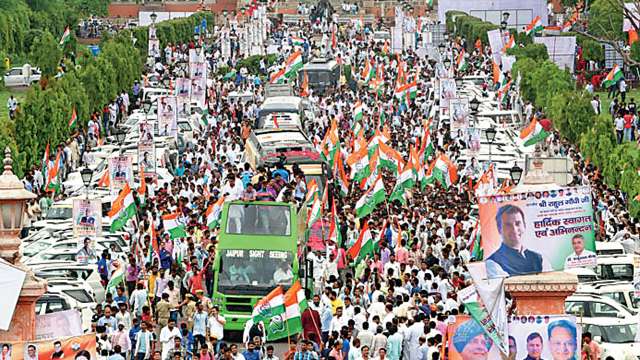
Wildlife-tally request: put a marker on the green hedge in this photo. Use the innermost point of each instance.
(468, 27)
(45, 112)
(553, 89)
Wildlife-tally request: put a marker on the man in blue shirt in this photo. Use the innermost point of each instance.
(251, 353)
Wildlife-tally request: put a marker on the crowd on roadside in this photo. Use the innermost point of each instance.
(394, 304)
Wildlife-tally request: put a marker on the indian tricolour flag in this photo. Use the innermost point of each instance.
(510, 44)
(296, 41)
(535, 26)
(405, 180)
(175, 228)
(461, 62)
(443, 171)
(364, 246)
(368, 72)
(359, 164)
(117, 278)
(122, 209)
(312, 191)
(53, 178)
(389, 158)
(358, 111)
(315, 213)
(498, 76)
(371, 198)
(270, 310)
(536, 131)
(426, 146)
(330, 144)
(73, 119)
(377, 138)
(66, 36)
(292, 315)
(294, 63)
(277, 77)
(613, 76)
(342, 180)
(213, 213)
(334, 227)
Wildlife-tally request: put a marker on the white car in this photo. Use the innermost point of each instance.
(74, 271)
(596, 306)
(620, 291)
(78, 298)
(616, 337)
(17, 77)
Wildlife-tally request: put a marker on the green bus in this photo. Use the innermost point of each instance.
(257, 250)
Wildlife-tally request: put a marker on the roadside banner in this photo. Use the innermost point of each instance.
(198, 74)
(154, 48)
(496, 43)
(87, 217)
(58, 324)
(459, 117)
(76, 347)
(536, 336)
(473, 140)
(167, 116)
(120, 172)
(475, 307)
(532, 232)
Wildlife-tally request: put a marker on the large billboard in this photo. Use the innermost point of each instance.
(532, 232)
(537, 336)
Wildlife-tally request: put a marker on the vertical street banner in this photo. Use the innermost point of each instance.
(473, 140)
(120, 172)
(476, 308)
(447, 92)
(183, 87)
(146, 148)
(167, 116)
(87, 217)
(196, 56)
(537, 231)
(459, 117)
(496, 43)
(198, 74)
(154, 48)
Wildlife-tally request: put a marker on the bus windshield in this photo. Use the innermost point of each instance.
(248, 270)
(256, 219)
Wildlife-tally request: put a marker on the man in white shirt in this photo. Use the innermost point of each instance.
(338, 321)
(166, 337)
(580, 256)
(216, 324)
(232, 189)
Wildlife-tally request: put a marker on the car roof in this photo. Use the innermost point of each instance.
(606, 321)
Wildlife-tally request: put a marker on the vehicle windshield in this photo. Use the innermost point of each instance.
(254, 271)
(35, 247)
(616, 272)
(79, 295)
(253, 219)
(619, 334)
(59, 213)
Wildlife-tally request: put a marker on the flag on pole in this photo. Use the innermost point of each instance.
(213, 213)
(371, 198)
(536, 131)
(334, 228)
(613, 76)
(443, 171)
(66, 36)
(510, 44)
(175, 228)
(342, 180)
(358, 111)
(389, 158)
(45, 159)
(330, 145)
(535, 26)
(123, 208)
(461, 62)
(315, 213)
(364, 246)
(117, 278)
(293, 64)
(406, 180)
(53, 178)
(277, 77)
(368, 72)
(359, 164)
(312, 191)
(268, 307)
(73, 119)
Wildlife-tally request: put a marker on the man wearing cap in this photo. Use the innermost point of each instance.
(470, 341)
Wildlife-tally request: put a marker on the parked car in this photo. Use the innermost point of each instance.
(591, 305)
(616, 337)
(620, 291)
(19, 76)
(74, 271)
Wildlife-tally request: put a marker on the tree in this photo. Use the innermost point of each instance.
(572, 113)
(45, 53)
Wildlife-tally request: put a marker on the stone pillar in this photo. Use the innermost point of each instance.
(543, 293)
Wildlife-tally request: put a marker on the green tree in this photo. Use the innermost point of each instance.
(45, 53)
(605, 19)
(572, 114)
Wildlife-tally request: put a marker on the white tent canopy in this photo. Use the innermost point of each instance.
(11, 279)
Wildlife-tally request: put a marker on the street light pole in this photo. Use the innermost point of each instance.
(86, 174)
(490, 133)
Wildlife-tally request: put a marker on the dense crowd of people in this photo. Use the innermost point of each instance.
(393, 304)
